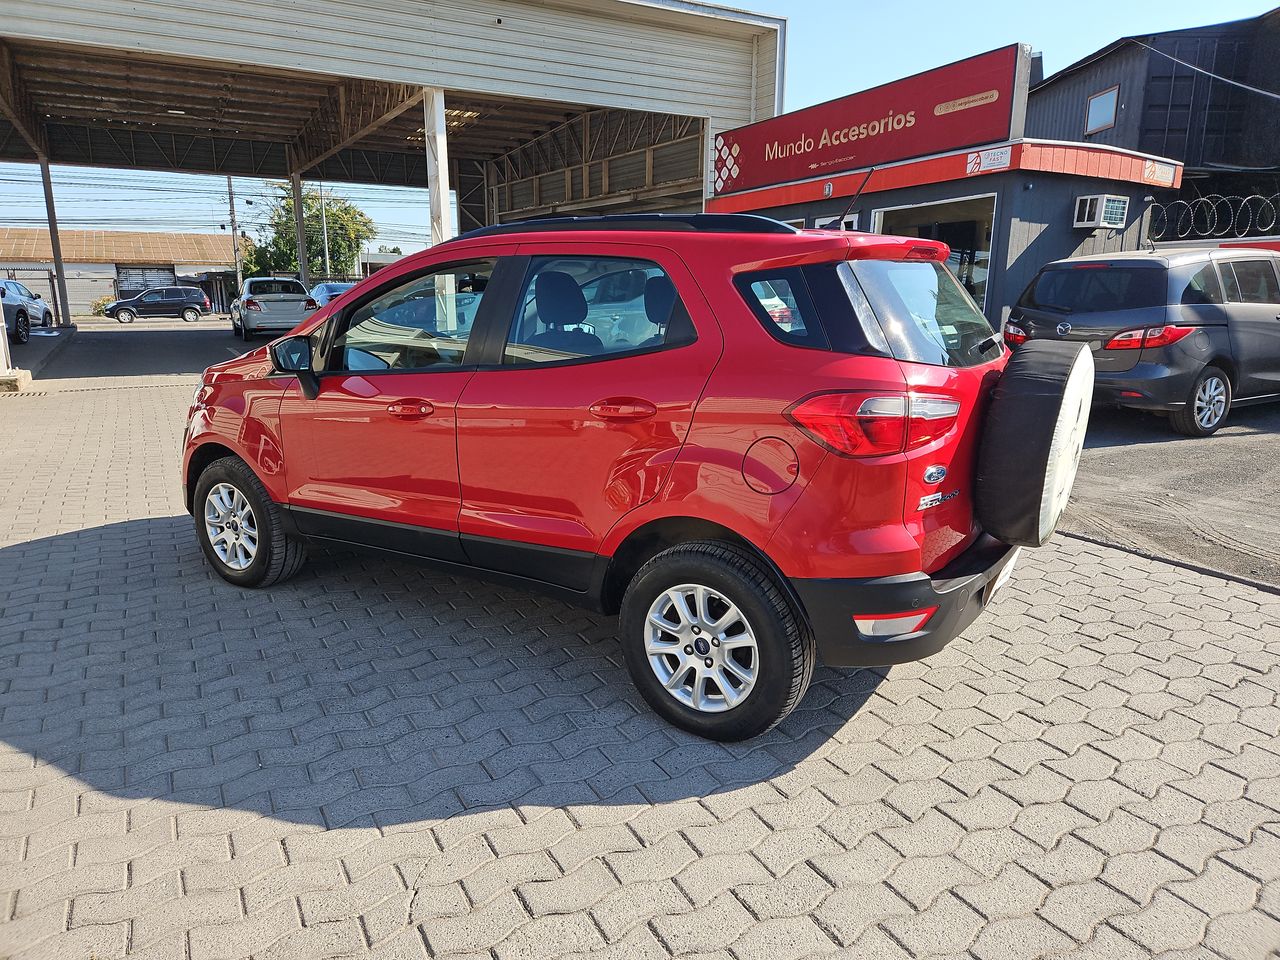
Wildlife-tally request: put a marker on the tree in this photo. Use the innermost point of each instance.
(276, 251)
(383, 248)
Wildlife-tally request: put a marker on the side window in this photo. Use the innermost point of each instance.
(23, 291)
(152, 296)
(422, 324)
(1251, 281)
(576, 307)
(174, 293)
(780, 301)
(1203, 287)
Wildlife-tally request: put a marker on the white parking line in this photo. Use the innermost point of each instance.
(234, 352)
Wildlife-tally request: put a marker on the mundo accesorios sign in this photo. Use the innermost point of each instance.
(962, 104)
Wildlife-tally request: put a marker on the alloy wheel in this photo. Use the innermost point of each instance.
(701, 648)
(1210, 402)
(231, 526)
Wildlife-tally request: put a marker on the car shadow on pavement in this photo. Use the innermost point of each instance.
(1109, 427)
(365, 692)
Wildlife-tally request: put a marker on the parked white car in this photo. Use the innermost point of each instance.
(270, 305)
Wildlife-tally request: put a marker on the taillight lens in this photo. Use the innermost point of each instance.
(310, 304)
(252, 304)
(1014, 334)
(874, 424)
(207, 304)
(1150, 337)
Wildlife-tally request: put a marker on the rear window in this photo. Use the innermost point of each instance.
(924, 313)
(1100, 288)
(262, 288)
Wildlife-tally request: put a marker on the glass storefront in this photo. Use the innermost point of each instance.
(964, 225)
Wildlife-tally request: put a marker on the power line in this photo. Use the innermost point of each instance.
(1210, 73)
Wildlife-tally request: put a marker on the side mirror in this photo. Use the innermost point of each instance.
(293, 355)
(37, 296)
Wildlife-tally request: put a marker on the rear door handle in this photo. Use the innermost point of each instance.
(618, 409)
(411, 409)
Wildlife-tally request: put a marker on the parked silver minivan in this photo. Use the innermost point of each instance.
(1187, 333)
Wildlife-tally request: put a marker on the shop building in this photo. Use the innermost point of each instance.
(945, 155)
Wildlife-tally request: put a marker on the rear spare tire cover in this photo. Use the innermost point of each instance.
(1032, 439)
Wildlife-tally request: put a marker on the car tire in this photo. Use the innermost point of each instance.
(769, 664)
(229, 501)
(1208, 404)
(125, 316)
(245, 333)
(190, 315)
(47, 320)
(1032, 440)
(21, 329)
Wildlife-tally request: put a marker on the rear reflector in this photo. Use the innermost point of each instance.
(860, 424)
(1150, 337)
(889, 626)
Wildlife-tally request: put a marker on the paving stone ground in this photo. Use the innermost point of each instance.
(380, 760)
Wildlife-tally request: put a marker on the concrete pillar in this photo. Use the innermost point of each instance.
(434, 134)
(65, 310)
(300, 231)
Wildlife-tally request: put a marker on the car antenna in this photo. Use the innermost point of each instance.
(854, 199)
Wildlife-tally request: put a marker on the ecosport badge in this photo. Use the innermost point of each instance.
(933, 499)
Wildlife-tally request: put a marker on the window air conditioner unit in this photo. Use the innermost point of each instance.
(1102, 210)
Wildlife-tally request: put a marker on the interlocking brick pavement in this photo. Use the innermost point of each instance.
(377, 759)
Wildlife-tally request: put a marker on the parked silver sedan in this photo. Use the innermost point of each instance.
(270, 305)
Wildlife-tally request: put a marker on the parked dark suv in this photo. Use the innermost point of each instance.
(1187, 333)
(189, 303)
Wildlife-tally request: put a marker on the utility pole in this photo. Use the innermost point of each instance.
(235, 236)
(324, 229)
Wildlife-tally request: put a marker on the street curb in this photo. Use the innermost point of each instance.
(66, 336)
(1184, 564)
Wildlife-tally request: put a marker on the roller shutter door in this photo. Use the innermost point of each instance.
(133, 280)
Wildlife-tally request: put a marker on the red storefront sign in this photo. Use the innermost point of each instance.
(963, 104)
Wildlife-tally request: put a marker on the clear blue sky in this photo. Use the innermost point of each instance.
(835, 47)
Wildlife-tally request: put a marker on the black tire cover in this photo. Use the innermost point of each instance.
(1032, 439)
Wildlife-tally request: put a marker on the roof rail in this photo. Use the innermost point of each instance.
(708, 222)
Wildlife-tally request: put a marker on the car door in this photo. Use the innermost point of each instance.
(1252, 289)
(151, 303)
(33, 306)
(573, 425)
(373, 457)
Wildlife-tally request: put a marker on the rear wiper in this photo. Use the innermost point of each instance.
(986, 344)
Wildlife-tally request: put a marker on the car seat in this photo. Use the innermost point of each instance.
(560, 303)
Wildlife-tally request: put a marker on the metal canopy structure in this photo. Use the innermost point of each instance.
(518, 107)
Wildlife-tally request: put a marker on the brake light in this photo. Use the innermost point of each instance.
(1163, 336)
(1014, 335)
(252, 304)
(872, 425)
(1150, 337)
(207, 304)
(310, 304)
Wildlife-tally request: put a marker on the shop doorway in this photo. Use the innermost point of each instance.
(965, 225)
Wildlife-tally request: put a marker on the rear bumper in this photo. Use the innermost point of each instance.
(262, 324)
(1147, 386)
(959, 591)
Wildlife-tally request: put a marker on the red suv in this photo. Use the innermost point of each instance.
(760, 445)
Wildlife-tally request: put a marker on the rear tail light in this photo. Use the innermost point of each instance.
(891, 626)
(207, 304)
(252, 304)
(874, 424)
(311, 304)
(1014, 334)
(1150, 337)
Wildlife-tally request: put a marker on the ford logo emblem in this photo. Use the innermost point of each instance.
(1063, 329)
(935, 474)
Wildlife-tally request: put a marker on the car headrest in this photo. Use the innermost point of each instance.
(559, 299)
(659, 298)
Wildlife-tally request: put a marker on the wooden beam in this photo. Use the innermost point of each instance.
(17, 107)
(353, 110)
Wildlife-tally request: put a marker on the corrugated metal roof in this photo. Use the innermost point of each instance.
(116, 246)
